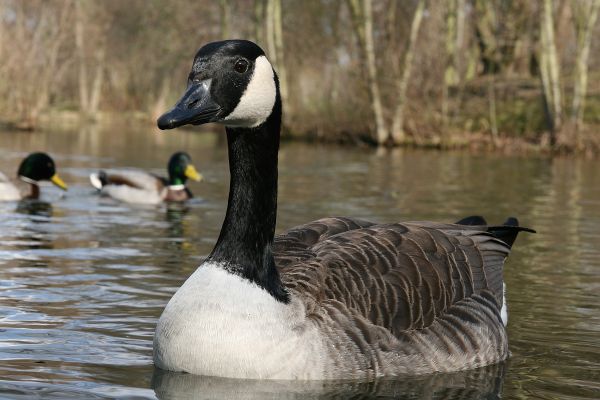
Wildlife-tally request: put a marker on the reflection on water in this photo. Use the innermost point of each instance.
(37, 208)
(483, 383)
(35, 235)
(83, 279)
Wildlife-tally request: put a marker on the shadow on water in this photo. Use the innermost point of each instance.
(483, 383)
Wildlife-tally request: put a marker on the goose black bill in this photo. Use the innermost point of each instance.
(195, 107)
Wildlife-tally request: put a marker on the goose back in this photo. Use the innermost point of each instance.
(415, 297)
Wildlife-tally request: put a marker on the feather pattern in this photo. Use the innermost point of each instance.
(415, 297)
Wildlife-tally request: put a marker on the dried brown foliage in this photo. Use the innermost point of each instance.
(474, 66)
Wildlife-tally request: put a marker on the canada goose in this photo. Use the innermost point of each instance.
(140, 187)
(337, 298)
(34, 168)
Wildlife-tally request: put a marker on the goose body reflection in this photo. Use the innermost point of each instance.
(481, 383)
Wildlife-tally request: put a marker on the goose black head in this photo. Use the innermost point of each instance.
(231, 82)
(39, 167)
(180, 168)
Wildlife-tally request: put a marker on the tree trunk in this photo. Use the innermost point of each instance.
(271, 31)
(259, 14)
(486, 23)
(94, 39)
(585, 19)
(225, 7)
(51, 70)
(398, 134)
(80, 49)
(96, 92)
(381, 131)
(550, 71)
(279, 49)
(460, 37)
(492, 109)
(356, 13)
(450, 73)
(362, 18)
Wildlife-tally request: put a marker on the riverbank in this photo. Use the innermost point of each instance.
(428, 137)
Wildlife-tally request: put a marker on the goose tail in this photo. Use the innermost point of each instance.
(507, 232)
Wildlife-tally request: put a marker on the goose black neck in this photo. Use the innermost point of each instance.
(245, 243)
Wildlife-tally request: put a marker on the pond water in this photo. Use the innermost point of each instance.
(83, 279)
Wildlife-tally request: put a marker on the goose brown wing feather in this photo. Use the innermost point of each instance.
(296, 244)
(398, 276)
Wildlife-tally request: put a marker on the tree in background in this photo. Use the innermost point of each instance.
(34, 48)
(398, 133)
(585, 14)
(90, 51)
(550, 71)
(362, 18)
(386, 72)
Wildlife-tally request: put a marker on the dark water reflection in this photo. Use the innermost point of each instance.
(83, 279)
(484, 383)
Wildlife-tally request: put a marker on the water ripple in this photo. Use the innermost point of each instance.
(83, 279)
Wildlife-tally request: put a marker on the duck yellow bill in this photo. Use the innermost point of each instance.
(58, 182)
(190, 172)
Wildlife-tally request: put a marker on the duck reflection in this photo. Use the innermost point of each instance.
(175, 216)
(36, 208)
(179, 233)
(36, 233)
(482, 383)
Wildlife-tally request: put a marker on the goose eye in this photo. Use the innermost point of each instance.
(241, 66)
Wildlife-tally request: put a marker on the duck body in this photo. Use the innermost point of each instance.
(130, 186)
(8, 190)
(337, 298)
(133, 186)
(34, 168)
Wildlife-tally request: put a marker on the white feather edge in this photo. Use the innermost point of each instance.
(504, 310)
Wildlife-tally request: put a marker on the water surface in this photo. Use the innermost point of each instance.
(83, 279)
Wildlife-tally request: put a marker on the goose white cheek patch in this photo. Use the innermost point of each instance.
(258, 99)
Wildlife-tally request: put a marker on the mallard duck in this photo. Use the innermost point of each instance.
(336, 298)
(141, 187)
(34, 168)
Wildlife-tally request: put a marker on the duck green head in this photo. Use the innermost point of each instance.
(39, 167)
(180, 169)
